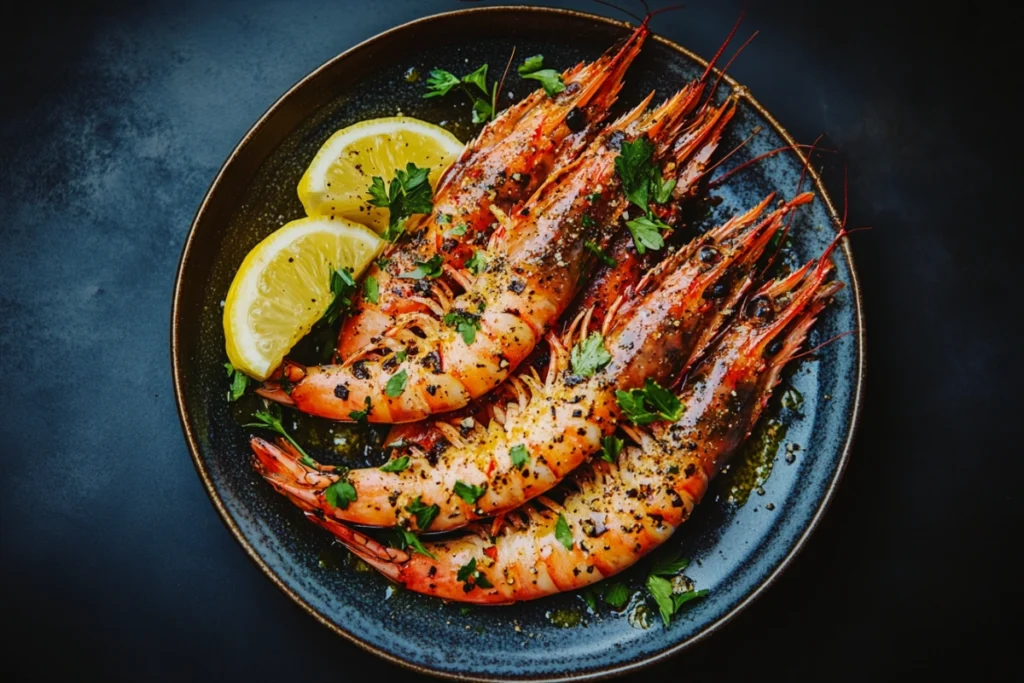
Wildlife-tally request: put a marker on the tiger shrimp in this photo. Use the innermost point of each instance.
(553, 425)
(502, 167)
(430, 363)
(621, 511)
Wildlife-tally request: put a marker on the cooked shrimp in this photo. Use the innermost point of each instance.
(621, 511)
(430, 364)
(502, 167)
(552, 426)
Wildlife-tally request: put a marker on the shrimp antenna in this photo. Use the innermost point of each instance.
(749, 162)
(736, 54)
(621, 9)
(728, 39)
(649, 14)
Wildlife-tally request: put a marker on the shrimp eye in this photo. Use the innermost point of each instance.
(575, 120)
(774, 346)
(761, 308)
(708, 254)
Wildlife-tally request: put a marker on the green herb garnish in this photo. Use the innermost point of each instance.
(239, 382)
(616, 595)
(430, 269)
(642, 184)
(271, 419)
(464, 323)
(469, 492)
(361, 415)
(403, 538)
(589, 356)
(342, 287)
(520, 456)
(562, 532)
(469, 571)
(611, 446)
(425, 514)
(340, 494)
(371, 289)
(549, 78)
(408, 194)
(441, 82)
(669, 602)
(653, 402)
(601, 254)
(396, 465)
(478, 263)
(396, 385)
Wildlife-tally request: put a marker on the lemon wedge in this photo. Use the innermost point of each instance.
(283, 287)
(338, 179)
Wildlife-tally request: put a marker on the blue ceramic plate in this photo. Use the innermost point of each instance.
(737, 547)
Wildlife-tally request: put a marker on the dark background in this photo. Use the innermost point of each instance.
(116, 117)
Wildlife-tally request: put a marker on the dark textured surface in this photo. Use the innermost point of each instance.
(115, 121)
(734, 549)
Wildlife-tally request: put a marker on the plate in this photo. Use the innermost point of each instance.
(737, 549)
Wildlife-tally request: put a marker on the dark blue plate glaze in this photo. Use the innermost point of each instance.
(737, 550)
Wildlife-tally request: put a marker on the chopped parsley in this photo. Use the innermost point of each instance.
(458, 231)
(642, 184)
(430, 269)
(424, 514)
(361, 415)
(408, 194)
(396, 385)
(549, 78)
(652, 402)
(403, 538)
(670, 567)
(589, 356)
(371, 289)
(271, 419)
(342, 287)
(472, 577)
(396, 465)
(601, 254)
(616, 595)
(668, 602)
(464, 323)
(562, 532)
(239, 382)
(400, 356)
(469, 492)
(520, 456)
(442, 82)
(611, 446)
(478, 263)
(340, 494)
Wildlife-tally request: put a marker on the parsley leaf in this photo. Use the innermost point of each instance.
(646, 233)
(340, 494)
(361, 415)
(601, 254)
(425, 514)
(611, 446)
(396, 385)
(562, 532)
(429, 269)
(239, 381)
(478, 263)
(616, 595)
(458, 231)
(634, 165)
(400, 356)
(661, 590)
(396, 465)
(342, 286)
(469, 571)
(589, 356)
(408, 194)
(271, 419)
(550, 79)
(482, 111)
(469, 492)
(531, 64)
(440, 82)
(520, 456)
(371, 289)
(587, 594)
(465, 323)
(663, 190)
(404, 538)
(667, 567)
(653, 402)
(478, 78)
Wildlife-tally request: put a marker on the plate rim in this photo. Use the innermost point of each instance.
(608, 671)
